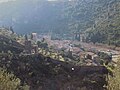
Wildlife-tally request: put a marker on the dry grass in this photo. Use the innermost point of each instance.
(9, 82)
(114, 82)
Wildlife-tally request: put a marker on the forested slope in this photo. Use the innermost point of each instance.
(98, 19)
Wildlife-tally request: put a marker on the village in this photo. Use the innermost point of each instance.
(77, 52)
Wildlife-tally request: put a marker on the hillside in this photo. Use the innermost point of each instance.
(27, 16)
(33, 61)
(98, 20)
(8, 42)
(44, 73)
(114, 82)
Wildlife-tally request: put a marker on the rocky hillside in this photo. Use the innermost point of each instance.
(8, 42)
(44, 73)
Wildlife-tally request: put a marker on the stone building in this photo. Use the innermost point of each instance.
(34, 36)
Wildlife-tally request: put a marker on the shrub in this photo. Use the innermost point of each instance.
(114, 82)
(9, 82)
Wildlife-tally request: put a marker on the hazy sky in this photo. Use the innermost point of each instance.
(6, 0)
(15, 0)
(51, 0)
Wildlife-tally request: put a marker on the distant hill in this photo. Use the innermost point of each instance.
(99, 20)
(27, 15)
